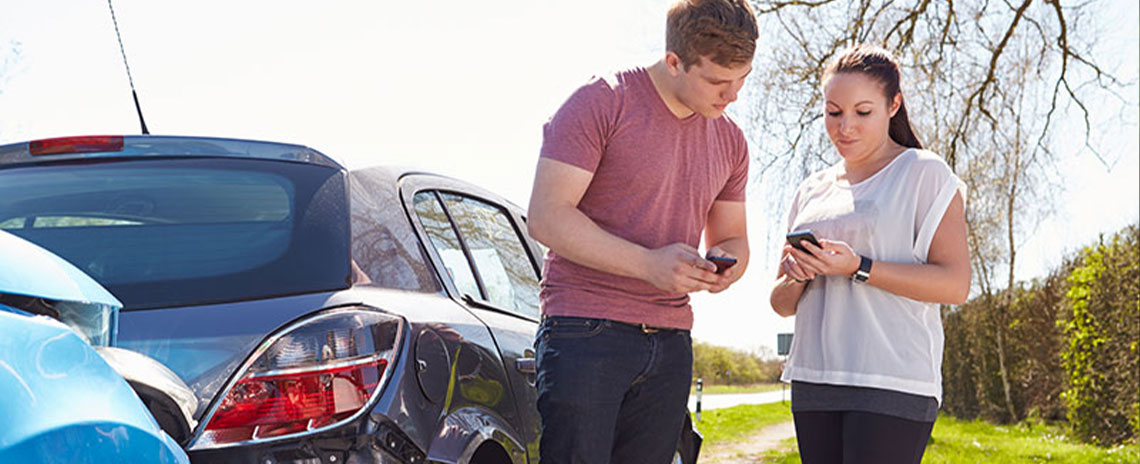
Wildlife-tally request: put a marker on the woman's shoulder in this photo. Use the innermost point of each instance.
(925, 161)
(822, 176)
(923, 156)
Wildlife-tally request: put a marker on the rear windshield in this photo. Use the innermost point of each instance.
(175, 232)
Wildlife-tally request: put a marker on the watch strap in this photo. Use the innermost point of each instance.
(864, 272)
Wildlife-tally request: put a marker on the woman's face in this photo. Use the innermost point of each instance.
(858, 114)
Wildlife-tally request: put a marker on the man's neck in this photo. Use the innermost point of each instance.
(662, 82)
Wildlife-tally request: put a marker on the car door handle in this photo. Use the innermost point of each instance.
(526, 365)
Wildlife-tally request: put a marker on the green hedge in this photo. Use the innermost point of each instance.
(1070, 346)
(1101, 354)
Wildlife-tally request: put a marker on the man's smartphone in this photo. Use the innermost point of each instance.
(796, 238)
(722, 263)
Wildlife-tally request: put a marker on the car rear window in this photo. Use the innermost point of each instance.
(176, 232)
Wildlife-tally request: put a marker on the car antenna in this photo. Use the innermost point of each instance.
(134, 94)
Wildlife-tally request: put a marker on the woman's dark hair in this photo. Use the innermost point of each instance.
(878, 64)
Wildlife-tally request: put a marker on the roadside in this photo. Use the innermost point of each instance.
(728, 400)
(759, 447)
(751, 388)
(744, 427)
(737, 434)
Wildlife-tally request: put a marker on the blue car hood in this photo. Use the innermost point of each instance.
(27, 269)
(81, 303)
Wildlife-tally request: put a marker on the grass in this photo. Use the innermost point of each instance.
(779, 456)
(723, 389)
(954, 441)
(957, 441)
(737, 423)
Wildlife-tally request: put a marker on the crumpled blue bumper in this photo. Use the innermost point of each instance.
(61, 403)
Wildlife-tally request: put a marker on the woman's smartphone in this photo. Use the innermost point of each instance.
(795, 239)
(722, 263)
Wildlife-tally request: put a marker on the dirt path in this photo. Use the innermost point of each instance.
(750, 450)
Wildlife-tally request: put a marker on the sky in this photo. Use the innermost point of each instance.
(460, 88)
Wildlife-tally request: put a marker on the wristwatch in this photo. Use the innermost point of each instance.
(864, 272)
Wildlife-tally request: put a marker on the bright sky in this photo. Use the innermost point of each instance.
(456, 87)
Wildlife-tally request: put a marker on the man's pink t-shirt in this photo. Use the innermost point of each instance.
(655, 180)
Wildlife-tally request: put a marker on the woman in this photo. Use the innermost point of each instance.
(866, 359)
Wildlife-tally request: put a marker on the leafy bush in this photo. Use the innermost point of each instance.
(1070, 346)
(726, 366)
(1101, 355)
(971, 378)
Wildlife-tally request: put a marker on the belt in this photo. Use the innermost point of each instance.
(645, 328)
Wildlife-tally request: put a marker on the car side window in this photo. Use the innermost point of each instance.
(434, 221)
(504, 266)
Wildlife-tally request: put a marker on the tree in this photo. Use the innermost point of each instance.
(727, 366)
(985, 83)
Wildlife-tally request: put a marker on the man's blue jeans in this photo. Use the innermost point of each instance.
(610, 392)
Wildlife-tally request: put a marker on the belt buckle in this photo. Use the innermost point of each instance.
(648, 329)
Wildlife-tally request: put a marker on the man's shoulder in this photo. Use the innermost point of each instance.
(728, 125)
(611, 84)
(734, 141)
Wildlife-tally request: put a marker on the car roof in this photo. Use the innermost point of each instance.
(131, 146)
(439, 182)
(70, 148)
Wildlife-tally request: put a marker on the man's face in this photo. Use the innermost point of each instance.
(707, 88)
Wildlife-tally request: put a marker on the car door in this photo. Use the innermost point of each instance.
(494, 272)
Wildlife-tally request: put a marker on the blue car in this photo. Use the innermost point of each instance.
(60, 401)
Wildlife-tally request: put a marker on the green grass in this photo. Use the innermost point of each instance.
(959, 442)
(723, 389)
(737, 423)
(779, 456)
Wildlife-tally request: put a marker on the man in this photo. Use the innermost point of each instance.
(633, 167)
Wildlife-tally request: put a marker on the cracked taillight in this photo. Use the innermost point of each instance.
(315, 374)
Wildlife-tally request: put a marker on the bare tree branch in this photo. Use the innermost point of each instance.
(774, 7)
(977, 98)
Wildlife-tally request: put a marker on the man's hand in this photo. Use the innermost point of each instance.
(679, 268)
(726, 234)
(726, 278)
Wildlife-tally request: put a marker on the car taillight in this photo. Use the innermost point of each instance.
(84, 144)
(316, 374)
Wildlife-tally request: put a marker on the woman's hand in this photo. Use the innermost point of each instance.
(791, 267)
(834, 258)
(791, 280)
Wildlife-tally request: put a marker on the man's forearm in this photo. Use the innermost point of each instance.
(571, 234)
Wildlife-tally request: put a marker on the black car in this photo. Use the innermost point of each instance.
(318, 314)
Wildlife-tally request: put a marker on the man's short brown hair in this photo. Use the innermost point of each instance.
(723, 31)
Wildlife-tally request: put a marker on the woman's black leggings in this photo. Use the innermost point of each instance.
(854, 437)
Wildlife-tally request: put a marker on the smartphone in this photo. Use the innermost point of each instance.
(722, 263)
(796, 237)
